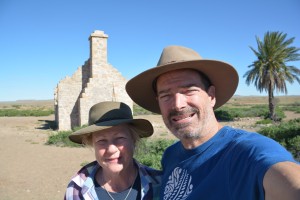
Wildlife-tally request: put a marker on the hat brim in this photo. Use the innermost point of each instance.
(222, 75)
(144, 128)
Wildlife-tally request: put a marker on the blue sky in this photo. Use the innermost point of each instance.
(43, 41)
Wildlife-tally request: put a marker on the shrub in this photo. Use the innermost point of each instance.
(229, 113)
(138, 110)
(295, 107)
(224, 115)
(16, 106)
(279, 114)
(149, 151)
(287, 134)
(23, 113)
(61, 139)
(264, 121)
(294, 146)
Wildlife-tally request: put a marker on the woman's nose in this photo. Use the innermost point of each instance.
(112, 148)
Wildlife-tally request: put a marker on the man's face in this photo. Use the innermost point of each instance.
(185, 106)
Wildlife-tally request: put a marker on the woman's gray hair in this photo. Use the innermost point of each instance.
(87, 140)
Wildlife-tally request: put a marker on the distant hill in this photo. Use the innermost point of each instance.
(31, 103)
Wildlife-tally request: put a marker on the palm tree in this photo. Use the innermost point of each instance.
(270, 71)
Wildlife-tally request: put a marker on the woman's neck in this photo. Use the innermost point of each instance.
(117, 182)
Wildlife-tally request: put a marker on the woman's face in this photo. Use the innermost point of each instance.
(114, 148)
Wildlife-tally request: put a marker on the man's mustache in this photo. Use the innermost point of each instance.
(174, 113)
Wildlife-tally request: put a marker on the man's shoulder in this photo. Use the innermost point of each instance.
(241, 135)
(173, 146)
(254, 143)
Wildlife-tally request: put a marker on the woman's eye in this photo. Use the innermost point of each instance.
(121, 138)
(100, 142)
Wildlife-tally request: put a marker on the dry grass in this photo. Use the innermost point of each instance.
(235, 100)
(252, 100)
(27, 104)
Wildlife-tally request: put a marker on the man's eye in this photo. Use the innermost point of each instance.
(164, 97)
(190, 91)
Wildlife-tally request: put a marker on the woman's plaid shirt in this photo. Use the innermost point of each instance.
(82, 185)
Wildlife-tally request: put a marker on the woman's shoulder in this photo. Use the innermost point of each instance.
(88, 168)
(86, 171)
(148, 172)
(147, 169)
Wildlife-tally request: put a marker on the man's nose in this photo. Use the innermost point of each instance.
(179, 101)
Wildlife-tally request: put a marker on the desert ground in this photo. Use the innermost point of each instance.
(32, 170)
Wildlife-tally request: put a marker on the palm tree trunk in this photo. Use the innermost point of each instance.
(271, 104)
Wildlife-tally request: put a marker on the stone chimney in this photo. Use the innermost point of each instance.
(98, 52)
(91, 83)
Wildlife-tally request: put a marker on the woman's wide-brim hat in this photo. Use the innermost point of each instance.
(107, 114)
(222, 75)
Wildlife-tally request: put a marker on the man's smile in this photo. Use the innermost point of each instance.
(183, 118)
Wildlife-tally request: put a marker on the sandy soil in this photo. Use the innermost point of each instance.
(29, 168)
(32, 170)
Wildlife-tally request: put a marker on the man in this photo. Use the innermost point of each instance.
(210, 161)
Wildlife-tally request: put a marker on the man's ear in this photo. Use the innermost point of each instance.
(212, 95)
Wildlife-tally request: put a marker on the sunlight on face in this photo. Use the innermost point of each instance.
(185, 106)
(114, 148)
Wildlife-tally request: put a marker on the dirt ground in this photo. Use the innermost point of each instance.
(32, 170)
(29, 168)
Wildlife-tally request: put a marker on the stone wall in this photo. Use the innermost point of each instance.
(94, 82)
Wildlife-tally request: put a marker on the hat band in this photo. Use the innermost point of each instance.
(110, 119)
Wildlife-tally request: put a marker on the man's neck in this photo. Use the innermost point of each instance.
(191, 143)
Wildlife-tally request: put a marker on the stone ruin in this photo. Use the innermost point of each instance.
(93, 82)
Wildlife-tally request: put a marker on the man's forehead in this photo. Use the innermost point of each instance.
(169, 81)
(177, 75)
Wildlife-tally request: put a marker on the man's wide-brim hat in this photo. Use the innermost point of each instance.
(222, 75)
(108, 114)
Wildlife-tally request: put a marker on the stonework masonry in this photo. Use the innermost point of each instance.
(93, 82)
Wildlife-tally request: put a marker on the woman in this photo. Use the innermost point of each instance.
(113, 133)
